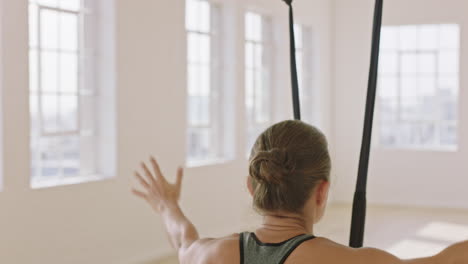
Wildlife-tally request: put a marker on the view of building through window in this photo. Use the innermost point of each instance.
(418, 86)
(204, 85)
(258, 62)
(61, 91)
(305, 72)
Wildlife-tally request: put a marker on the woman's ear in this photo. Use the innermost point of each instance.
(322, 193)
(249, 185)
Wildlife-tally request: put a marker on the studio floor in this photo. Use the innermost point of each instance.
(405, 232)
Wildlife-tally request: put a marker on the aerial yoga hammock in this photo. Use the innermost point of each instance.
(359, 204)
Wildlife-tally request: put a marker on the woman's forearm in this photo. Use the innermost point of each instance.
(181, 232)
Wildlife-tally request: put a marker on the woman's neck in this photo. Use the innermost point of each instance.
(283, 223)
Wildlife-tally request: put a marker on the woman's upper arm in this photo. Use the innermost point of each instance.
(372, 255)
(194, 252)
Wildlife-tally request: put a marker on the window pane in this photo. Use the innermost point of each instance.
(261, 99)
(249, 91)
(388, 137)
(205, 49)
(69, 73)
(409, 87)
(249, 55)
(258, 56)
(388, 110)
(388, 87)
(193, 80)
(427, 63)
(70, 147)
(427, 135)
(410, 109)
(409, 63)
(49, 71)
(193, 48)
(298, 36)
(199, 110)
(191, 15)
(68, 31)
(428, 37)
(49, 3)
(193, 110)
(34, 114)
(448, 62)
(427, 86)
(204, 16)
(448, 135)
(388, 63)
(70, 4)
(300, 77)
(204, 88)
(449, 110)
(389, 39)
(204, 110)
(409, 134)
(449, 84)
(428, 109)
(49, 106)
(49, 158)
(253, 27)
(49, 29)
(200, 143)
(408, 38)
(450, 37)
(68, 112)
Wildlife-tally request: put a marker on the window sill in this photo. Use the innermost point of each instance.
(54, 182)
(205, 163)
(439, 149)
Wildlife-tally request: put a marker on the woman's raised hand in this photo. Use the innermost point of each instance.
(158, 192)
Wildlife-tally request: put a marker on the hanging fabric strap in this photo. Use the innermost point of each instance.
(294, 79)
(359, 204)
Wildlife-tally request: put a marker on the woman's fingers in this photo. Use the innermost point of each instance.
(142, 181)
(180, 175)
(148, 173)
(157, 170)
(139, 194)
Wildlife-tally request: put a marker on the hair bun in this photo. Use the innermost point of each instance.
(271, 166)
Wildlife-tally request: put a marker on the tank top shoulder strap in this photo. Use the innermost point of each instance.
(253, 251)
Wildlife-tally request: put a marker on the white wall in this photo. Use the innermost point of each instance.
(100, 222)
(421, 178)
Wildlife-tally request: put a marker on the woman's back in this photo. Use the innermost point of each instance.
(227, 250)
(288, 179)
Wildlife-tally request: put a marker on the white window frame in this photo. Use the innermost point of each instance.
(88, 88)
(217, 147)
(438, 121)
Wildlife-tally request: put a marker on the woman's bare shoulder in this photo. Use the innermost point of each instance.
(326, 251)
(212, 250)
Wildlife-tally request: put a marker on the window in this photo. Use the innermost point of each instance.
(258, 61)
(418, 86)
(63, 91)
(305, 72)
(204, 85)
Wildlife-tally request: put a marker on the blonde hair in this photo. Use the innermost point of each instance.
(287, 162)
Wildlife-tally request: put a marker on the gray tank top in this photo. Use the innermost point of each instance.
(253, 251)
